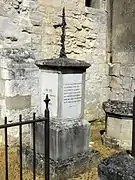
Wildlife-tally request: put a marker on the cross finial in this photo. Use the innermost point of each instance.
(46, 101)
(63, 27)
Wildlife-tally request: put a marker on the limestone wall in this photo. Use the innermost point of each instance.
(19, 93)
(20, 26)
(122, 72)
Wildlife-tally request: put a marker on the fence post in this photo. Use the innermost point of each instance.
(46, 139)
(20, 136)
(133, 129)
(6, 151)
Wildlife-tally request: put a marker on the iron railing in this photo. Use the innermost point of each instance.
(133, 129)
(19, 124)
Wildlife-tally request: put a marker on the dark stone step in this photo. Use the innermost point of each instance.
(120, 166)
(62, 169)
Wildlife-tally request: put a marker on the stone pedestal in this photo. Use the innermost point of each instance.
(66, 139)
(119, 124)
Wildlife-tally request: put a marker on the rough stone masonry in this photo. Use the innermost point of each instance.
(27, 34)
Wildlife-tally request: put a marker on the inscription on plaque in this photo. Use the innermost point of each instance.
(72, 95)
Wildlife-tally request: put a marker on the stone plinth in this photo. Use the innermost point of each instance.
(116, 167)
(66, 138)
(119, 124)
(62, 169)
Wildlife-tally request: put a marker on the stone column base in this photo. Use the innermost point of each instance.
(63, 169)
(116, 167)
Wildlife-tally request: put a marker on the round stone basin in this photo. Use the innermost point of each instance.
(118, 124)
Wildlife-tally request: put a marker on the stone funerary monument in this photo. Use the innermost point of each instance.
(63, 79)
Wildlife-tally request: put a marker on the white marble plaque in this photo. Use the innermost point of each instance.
(72, 95)
(49, 85)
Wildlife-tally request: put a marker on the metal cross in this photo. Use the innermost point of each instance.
(63, 27)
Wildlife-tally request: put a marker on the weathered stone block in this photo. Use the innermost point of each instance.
(125, 71)
(36, 18)
(7, 74)
(120, 57)
(22, 87)
(104, 69)
(115, 83)
(126, 83)
(18, 102)
(36, 38)
(50, 3)
(132, 71)
(26, 26)
(2, 88)
(113, 125)
(115, 70)
(133, 85)
(66, 139)
(121, 130)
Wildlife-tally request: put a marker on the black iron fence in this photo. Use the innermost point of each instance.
(133, 129)
(33, 122)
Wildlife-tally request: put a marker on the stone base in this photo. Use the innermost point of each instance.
(115, 143)
(120, 129)
(116, 167)
(62, 169)
(67, 138)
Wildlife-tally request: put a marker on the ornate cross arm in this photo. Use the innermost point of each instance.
(63, 27)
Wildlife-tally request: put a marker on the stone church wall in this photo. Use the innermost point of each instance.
(122, 73)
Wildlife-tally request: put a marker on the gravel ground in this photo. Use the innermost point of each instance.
(27, 175)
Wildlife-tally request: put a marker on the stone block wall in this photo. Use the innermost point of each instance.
(20, 35)
(19, 93)
(122, 76)
(21, 26)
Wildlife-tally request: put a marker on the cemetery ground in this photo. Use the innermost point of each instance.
(27, 174)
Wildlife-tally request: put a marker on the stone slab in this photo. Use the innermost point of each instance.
(62, 62)
(18, 102)
(116, 167)
(119, 108)
(119, 129)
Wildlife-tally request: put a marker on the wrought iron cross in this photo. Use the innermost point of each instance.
(63, 27)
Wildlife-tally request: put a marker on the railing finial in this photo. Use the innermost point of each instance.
(47, 101)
